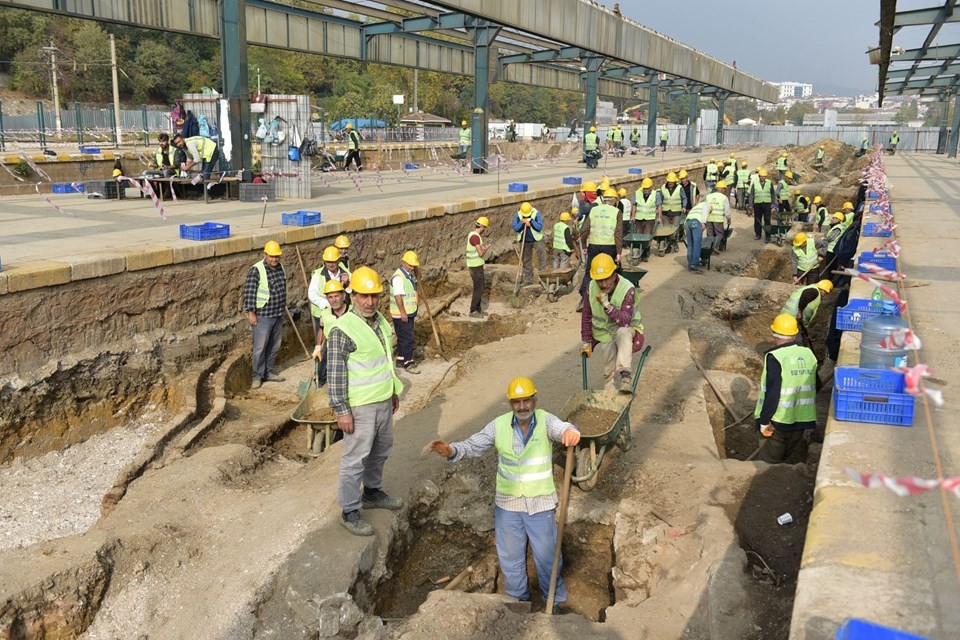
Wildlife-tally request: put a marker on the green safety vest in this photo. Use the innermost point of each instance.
(833, 243)
(315, 311)
(781, 164)
(729, 171)
(634, 136)
(603, 225)
(353, 140)
(665, 134)
(205, 146)
(263, 288)
(895, 139)
(864, 145)
(717, 200)
(170, 161)
(409, 295)
(602, 327)
(329, 320)
(801, 204)
(464, 136)
(530, 474)
(712, 172)
(743, 178)
(370, 373)
(560, 237)
(822, 214)
(762, 192)
(848, 220)
(798, 392)
(784, 192)
(819, 154)
(591, 141)
(694, 194)
(673, 202)
(474, 259)
(618, 135)
(806, 255)
(537, 235)
(646, 206)
(792, 306)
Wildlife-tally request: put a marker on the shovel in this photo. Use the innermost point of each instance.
(515, 300)
(564, 500)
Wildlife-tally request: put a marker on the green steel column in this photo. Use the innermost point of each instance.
(113, 130)
(146, 127)
(41, 126)
(79, 117)
(942, 136)
(955, 132)
(721, 103)
(592, 64)
(233, 52)
(3, 140)
(483, 35)
(694, 112)
(652, 112)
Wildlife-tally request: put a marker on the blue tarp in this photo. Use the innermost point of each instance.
(358, 123)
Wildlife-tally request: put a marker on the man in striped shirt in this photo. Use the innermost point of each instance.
(526, 499)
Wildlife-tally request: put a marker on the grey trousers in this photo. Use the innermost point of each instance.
(266, 343)
(365, 452)
(540, 250)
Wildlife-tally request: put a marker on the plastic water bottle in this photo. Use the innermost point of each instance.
(875, 329)
(877, 294)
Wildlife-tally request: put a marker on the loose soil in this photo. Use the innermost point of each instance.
(593, 422)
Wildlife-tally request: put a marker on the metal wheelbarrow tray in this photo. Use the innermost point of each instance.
(315, 412)
(557, 282)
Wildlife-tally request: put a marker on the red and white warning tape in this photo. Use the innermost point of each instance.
(903, 485)
(51, 202)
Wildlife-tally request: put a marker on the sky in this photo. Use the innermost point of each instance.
(823, 42)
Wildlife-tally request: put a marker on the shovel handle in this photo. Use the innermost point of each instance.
(564, 500)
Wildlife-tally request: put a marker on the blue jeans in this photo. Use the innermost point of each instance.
(266, 343)
(513, 530)
(694, 231)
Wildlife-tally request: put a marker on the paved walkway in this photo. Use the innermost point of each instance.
(869, 553)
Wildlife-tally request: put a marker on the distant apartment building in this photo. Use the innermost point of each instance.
(794, 90)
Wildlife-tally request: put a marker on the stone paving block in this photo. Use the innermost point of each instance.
(328, 230)
(192, 251)
(496, 201)
(293, 235)
(84, 267)
(354, 224)
(139, 259)
(3, 283)
(261, 237)
(398, 217)
(417, 214)
(378, 221)
(37, 274)
(436, 210)
(235, 244)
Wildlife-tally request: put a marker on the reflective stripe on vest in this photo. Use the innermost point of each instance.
(672, 202)
(263, 288)
(464, 136)
(370, 376)
(590, 141)
(204, 146)
(537, 235)
(762, 192)
(560, 237)
(474, 259)
(784, 192)
(712, 172)
(409, 295)
(603, 224)
(792, 306)
(743, 178)
(798, 393)
(602, 327)
(530, 474)
(806, 255)
(717, 200)
(646, 206)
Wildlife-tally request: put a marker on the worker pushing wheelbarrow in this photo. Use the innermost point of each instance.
(778, 231)
(315, 413)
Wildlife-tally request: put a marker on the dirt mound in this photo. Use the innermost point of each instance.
(838, 160)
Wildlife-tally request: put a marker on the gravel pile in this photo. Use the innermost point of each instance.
(58, 494)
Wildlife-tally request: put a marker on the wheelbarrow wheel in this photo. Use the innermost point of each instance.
(779, 241)
(584, 466)
(625, 437)
(551, 297)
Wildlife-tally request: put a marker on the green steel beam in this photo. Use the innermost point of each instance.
(484, 55)
(918, 17)
(233, 43)
(548, 55)
(652, 112)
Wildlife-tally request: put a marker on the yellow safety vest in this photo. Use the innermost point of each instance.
(537, 235)
(602, 328)
(798, 392)
(785, 191)
(763, 192)
(672, 202)
(370, 373)
(560, 237)
(204, 146)
(792, 306)
(315, 311)
(806, 255)
(464, 136)
(410, 298)
(646, 206)
(263, 288)
(169, 160)
(474, 259)
(530, 474)
(717, 201)
(603, 225)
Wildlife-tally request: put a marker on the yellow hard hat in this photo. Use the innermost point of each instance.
(483, 221)
(681, 175)
(564, 217)
(837, 215)
(785, 325)
(622, 192)
(713, 159)
(590, 185)
(671, 177)
(733, 155)
(817, 200)
(342, 242)
(647, 183)
(593, 129)
(825, 285)
(720, 164)
(521, 387)
(526, 207)
(847, 205)
(789, 175)
(463, 123)
(349, 125)
(743, 163)
(411, 258)
(864, 137)
(758, 168)
(272, 248)
(331, 254)
(821, 146)
(602, 267)
(574, 211)
(332, 286)
(784, 154)
(894, 133)
(799, 239)
(762, 173)
(722, 184)
(366, 280)
(605, 183)
(117, 173)
(620, 126)
(609, 192)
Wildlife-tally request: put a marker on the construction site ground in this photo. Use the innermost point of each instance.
(223, 525)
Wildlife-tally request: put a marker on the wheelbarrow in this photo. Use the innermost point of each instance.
(633, 275)
(706, 251)
(639, 244)
(593, 447)
(314, 411)
(558, 282)
(777, 232)
(665, 236)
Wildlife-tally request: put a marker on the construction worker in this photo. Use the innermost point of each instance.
(353, 149)
(664, 137)
(696, 219)
(635, 138)
(864, 146)
(545, 133)
(893, 142)
(528, 223)
(618, 138)
(671, 200)
(475, 261)
(803, 304)
(404, 303)
(588, 197)
(743, 185)
(711, 174)
(849, 214)
(563, 241)
(526, 499)
(690, 197)
(610, 138)
(802, 206)
(762, 195)
(364, 392)
(591, 144)
(719, 214)
(785, 192)
(265, 301)
(782, 166)
(603, 228)
(806, 259)
(164, 155)
(834, 233)
(464, 138)
(611, 323)
(330, 271)
(729, 173)
(645, 217)
(625, 206)
(820, 213)
(200, 150)
(337, 304)
(818, 158)
(342, 243)
(786, 403)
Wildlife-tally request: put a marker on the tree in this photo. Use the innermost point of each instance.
(797, 110)
(906, 112)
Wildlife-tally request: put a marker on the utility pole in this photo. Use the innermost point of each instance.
(116, 87)
(52, 52)
(416, 90)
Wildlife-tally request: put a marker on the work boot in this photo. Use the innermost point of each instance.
(624, 384)
(256, 384)
(478, 314)
(378, 499)
(411, 367)
(352, 522)
(580, 305)
(272, 377)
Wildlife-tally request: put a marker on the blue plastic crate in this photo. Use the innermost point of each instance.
(851, 317)
(854, 629)
(410, 166)
(517, 187)
(572, 180)
(64, 187)
(301, 218)
(873, 230)
(873, 195)
(205, 231)
(635, 171)
(871, 395)
(878, 208)
(90, 150)
(880, 258)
